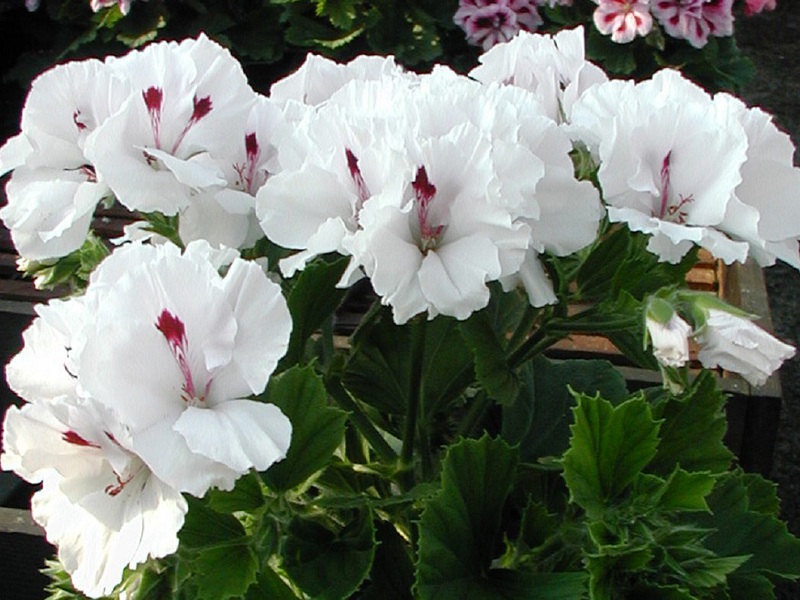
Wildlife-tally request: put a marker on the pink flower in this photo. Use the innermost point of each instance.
(756, 6)
(695, 20)
(623, 19)
(124, 5)
(488, 22)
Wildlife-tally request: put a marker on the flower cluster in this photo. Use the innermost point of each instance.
(438, 188)
(488, 22)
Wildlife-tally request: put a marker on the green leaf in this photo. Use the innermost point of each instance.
(270, 585)
(693, 430)
(379, 370)
(314, 298)
(341, 13)
(491, 367)
(246, 496)
(745, 532)
(460, 535)
(217, 552)
(545, 402)
(317, 428)
(748, 587)
(329, 564)
(686, 491)
(392, 573)
(608, 449)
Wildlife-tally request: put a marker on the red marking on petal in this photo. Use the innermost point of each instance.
(202, 106)
(424, 193)
(172, 328)
(73, 437)
(153, 97)
(251, 144)
(357, 177)
(76, 119)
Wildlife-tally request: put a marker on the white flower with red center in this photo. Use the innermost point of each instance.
(435, 248)
(55, 188)
(155, 153)
(336, 163)
(100, 504)
(669, 164)
(554, 68)
(176, 350)
(695, 20)
(623, 19)
(489, 22)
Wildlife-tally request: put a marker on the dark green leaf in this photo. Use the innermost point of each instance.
(608, 449)
(270, 585)
(314, 298)
(317, 428)
(329, 564)
(245, 496)
(546, 396)
(693, 429)
(392, 574)
(491, 367)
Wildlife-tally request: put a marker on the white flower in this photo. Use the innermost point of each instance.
(738, 345)
(670, 340)
(669, 162)
(155, 152)
(175, 350)
(553, 67)
(100, 504)
(55, 188)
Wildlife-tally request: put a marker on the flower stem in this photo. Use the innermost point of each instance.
(415, 397)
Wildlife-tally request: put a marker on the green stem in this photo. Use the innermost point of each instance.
(360, 420)
(415, 397)
(475, 412)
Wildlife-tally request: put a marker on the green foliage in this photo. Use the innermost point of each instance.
(317, 428)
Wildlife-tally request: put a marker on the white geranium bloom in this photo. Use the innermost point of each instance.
(553, 67)
(738, 345)
(318, 78)
(670, 163)
(55, 188)
(335, 165)
(434, 249)
(175, 350)
(670, 340)
(765, 211)
(155, 152)
(100, 504)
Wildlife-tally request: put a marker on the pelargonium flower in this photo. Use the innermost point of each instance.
(756, 6)
(99, 504)
(623, 19)
(695, 20)
(124, 5)
(155, 151)
(669, 163)
(55, 187)
(554, 68)
(670, 340)
(736, 344)
(488, 22)
(176, 350)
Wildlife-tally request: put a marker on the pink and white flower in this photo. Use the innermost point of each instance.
(623, 19)
(124, 5)
(756, 6)
(695, 20)
(489, 22)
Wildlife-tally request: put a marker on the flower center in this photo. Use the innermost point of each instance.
(154, 101)
(424, 193)
(671, 211)
(174, 331)
(249, 177)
